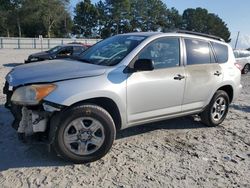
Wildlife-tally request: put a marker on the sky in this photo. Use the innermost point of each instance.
(235, 13)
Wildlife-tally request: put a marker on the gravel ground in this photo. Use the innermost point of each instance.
(175, 153)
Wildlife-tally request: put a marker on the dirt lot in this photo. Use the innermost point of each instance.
(175, 153)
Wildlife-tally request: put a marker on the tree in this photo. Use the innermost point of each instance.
(16, 14)
(117, 16)
(85, 19)
(10, 20)
(200, 20)
(53, 12)
(114, 17)
(32, 24)
(4, 15)
(102, 21)
(174, 19)
(152, 16)
(64, 26)
(29, 19)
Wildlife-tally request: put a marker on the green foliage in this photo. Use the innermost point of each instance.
(152, 16)
(50, 18)
(6, 18)
(115, 16)
(200, 20)
(30, 18)
(85, 19)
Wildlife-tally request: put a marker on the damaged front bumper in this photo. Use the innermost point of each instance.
(29, 120)
(32, 121)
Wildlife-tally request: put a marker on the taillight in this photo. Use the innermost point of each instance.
(237, 65)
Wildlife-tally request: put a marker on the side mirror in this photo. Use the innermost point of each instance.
(144, 65)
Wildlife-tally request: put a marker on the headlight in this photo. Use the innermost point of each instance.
(31, 95)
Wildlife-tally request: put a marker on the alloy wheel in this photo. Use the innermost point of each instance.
(218, 109)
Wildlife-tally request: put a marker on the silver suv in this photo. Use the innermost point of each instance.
(77, 106)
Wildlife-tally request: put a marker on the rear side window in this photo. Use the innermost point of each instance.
(221, 52)
(198, 52)
(78, 50)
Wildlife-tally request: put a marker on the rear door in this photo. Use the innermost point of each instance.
(203, 74)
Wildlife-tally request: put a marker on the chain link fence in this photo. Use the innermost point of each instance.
(39, 43)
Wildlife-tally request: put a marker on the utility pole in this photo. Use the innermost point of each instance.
(236, 42)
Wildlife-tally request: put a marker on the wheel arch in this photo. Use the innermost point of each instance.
(247, 64)
(229, 90)
(108, 104)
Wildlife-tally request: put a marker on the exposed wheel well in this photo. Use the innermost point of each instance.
(109, 105)
(229, 90)
(247, 64)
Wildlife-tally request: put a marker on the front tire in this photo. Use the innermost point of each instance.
(86, 134)
(216, 111)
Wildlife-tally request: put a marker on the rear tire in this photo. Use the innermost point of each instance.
(85, 134)
(245, 70)
(216, 111)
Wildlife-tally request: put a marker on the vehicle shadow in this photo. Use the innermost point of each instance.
(12, 64)
(15, 154)
(177, 123)
(243, 108)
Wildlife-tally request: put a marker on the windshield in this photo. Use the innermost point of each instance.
(55, 49)
(111, 51)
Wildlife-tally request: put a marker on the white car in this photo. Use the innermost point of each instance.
(242, 58)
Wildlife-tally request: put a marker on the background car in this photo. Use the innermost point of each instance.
(243, 59)
(58, 52)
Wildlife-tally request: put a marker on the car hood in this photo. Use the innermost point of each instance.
(51, 71)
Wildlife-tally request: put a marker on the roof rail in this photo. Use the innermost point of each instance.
(199, 34)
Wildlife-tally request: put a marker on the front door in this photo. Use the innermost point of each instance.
(157, 93)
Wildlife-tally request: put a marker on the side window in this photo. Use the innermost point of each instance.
(78, 50)
(66, 51)
(198, 52)
(221, 52)
(165, 52)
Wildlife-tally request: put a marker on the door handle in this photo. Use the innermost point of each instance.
(217, 73)
(179, 77)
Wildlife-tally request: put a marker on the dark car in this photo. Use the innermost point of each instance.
(58, 52)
